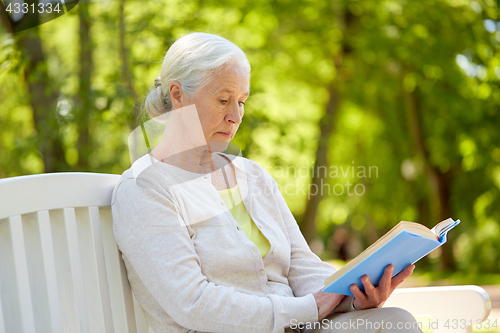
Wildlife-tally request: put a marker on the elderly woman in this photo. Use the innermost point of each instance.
(208, 241)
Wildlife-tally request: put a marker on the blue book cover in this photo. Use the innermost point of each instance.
(401, 246)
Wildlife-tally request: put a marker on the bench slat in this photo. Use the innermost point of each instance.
(49, 264)
(21, 272)
(120, 291)
(98, 250)
(76, 268)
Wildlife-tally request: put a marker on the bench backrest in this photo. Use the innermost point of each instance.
(60, 268)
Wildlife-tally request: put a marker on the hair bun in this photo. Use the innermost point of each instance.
(157, 81)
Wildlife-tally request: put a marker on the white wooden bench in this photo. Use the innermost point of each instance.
(61, 271)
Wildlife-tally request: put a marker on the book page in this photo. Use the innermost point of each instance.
(442, 227)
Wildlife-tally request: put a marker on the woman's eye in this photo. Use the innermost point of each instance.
(242, 103)
(223, 101)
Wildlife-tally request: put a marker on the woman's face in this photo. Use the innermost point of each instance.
(220, 103)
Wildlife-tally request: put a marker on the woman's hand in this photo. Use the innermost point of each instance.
(376, 297)
(326, 302)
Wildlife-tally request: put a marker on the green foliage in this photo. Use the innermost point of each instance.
(444, 52)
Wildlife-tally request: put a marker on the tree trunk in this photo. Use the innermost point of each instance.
(127, 75)
(439, 183)
(84, 108)
(444, 185)
(4, 18)
(319, 175)
(43, 100)
(42, 92)
(326, 126)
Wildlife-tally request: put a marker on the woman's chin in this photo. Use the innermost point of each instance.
(218, 146)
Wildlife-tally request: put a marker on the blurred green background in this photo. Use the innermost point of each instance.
(408, 91)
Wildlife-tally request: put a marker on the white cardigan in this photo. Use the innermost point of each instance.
(190, 265)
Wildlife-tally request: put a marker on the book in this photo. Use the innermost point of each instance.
(401, 246)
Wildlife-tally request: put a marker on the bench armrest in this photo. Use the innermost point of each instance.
(459, 305)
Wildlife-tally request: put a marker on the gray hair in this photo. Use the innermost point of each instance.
(191, 60)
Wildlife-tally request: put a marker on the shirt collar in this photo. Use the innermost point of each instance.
(147, 160)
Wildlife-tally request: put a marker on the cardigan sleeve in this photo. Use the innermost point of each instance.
(308, 272)
(147, 230)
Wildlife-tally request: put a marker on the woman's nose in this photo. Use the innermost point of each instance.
(234, 115)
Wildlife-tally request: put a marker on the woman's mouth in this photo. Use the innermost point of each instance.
(225, 134)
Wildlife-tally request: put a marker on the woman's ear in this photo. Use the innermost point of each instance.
(176, 94)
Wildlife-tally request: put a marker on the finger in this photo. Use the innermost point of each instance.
(370, 291)
(406, 272)
(384, 285)
(369, 288)
(385, 281)
(358, 294)
(401, 276)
